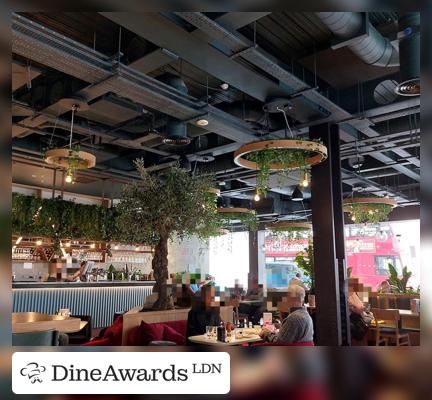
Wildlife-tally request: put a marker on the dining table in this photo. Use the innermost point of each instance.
(23, 322)
(232, 341)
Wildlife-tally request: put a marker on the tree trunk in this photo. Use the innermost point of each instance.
(160, 269)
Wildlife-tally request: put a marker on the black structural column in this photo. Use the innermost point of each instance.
(253, 259)
(328, 234)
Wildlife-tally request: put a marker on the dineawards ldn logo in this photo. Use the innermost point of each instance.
(33, 371)
(121, 373)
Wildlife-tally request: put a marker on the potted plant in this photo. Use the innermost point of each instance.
(398, 284)
(155, 208)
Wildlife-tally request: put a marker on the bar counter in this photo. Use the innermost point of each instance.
(98, 299)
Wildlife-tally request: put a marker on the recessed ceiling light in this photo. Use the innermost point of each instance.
(202, 122)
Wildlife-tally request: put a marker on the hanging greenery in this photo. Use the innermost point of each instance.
(283, 156)
(290, 231)
(368, 209)
(155, 208)
(60, 219)
(243, 217)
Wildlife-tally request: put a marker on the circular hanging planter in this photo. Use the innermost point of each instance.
(246, 217)
(368, 209)
(291, 230)
(281, 155)
(66, 158)
(214, 191)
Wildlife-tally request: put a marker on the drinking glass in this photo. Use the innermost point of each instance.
(209, 330)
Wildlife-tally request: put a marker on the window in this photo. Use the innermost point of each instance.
(382, 262)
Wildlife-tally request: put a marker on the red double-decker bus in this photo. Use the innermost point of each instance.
(369, 249)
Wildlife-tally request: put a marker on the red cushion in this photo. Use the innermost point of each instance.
(114, 332)
(133, 337)
(98, 342)
(173, 336)
(179, 326)
(149, 332)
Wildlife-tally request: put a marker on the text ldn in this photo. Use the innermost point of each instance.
(62, 373)
(204, 368)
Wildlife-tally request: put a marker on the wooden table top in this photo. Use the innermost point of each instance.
(202, 339)
(33, 321)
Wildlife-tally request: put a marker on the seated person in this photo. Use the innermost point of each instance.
(296, 280)
(297, 327)
(203, 313)
(255, 292)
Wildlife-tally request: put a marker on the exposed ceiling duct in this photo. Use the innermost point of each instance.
(409, 48)
(364, 40)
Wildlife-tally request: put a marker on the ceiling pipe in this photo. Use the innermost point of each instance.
(409, 47)
(371, 47)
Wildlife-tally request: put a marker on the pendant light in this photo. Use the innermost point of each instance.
(297, 195)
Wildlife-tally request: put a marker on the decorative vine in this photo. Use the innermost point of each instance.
(246, 219)
(289, 159)
(59, 219)
(368, 213)
(291, 234)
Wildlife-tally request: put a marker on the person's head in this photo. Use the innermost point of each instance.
(207, 295)
(295, 296)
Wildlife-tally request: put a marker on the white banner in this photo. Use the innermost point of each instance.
(121, 373)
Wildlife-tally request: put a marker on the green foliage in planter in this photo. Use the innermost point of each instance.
(59, 219)
(291, 158)
(399, 284)
(293, 233)
(368, 213)
(246, 219)
(306, 263)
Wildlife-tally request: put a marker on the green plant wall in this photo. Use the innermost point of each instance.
(61, 219)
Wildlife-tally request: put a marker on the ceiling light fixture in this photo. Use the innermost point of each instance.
(305, 181)
(202, 122)
(71, 158)
(297, 194)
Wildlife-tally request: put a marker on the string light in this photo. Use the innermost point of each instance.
(305, 181)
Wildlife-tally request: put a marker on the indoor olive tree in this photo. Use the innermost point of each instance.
(156, 207)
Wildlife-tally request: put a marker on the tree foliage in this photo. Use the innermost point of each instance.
(306, 263)
(174, 203)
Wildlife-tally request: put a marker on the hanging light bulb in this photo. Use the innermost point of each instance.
(305, 181)
(257, 197)
(69, 177)
(353, 218)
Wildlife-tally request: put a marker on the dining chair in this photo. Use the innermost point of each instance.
(39, 338)
(387, 327)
